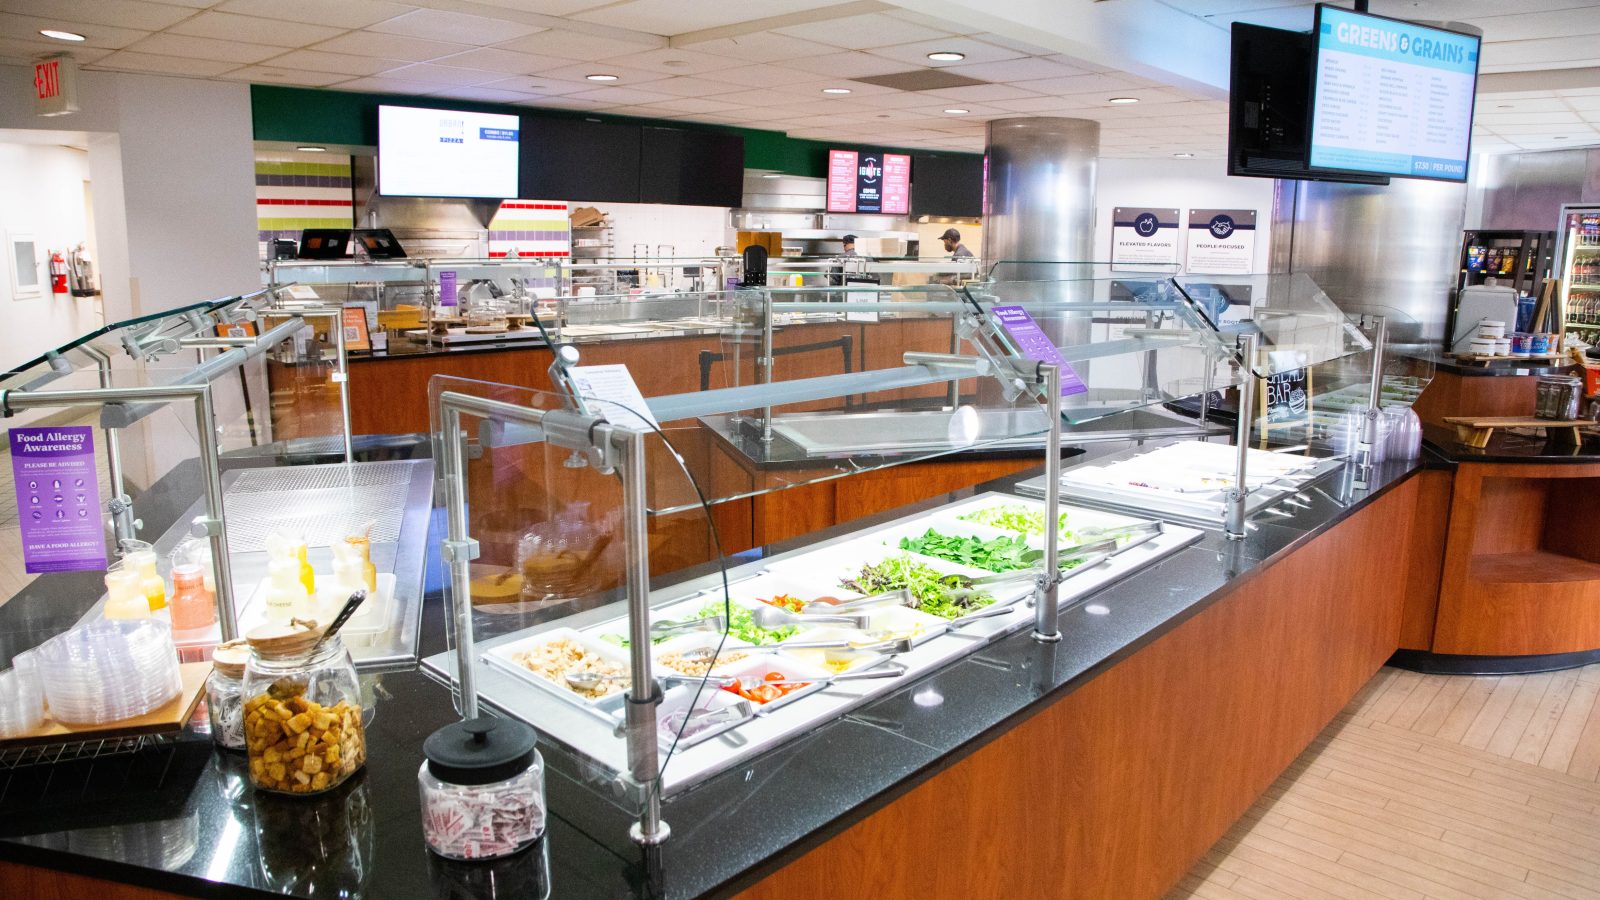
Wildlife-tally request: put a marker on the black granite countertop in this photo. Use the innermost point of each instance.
(1509, 446)
(181, 818)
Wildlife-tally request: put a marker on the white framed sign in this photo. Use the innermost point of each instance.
(22, 251)
(1221, 241)
(1143, 237)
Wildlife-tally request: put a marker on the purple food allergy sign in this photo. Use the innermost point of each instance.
(58, 499)
(1037, 346)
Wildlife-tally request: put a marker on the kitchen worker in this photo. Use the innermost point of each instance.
(953, 245)
(849, 242)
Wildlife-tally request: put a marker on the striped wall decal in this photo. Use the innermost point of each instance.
(531, 228)
(296, 190)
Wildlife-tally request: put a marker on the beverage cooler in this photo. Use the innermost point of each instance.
(1579, 268)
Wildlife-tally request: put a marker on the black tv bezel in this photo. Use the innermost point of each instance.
(1311, 99)
(378, 179)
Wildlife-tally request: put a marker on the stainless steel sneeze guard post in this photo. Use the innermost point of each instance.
(619, 448)
(1368, 438)
(212, 523)
(1047, 625)
(1234, 521)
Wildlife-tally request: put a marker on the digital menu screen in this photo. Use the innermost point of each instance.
(447, 153)
(869, 181)
(1390, 97)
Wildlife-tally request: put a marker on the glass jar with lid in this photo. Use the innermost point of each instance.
(225, 694)
(482, 789)
(302, 710)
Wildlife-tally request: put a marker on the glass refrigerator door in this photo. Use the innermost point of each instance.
(1579, 261)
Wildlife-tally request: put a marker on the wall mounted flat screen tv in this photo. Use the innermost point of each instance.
(1269, 95)
(1390, 97)
(869, 181)
(447, 153)
(691, 167)
(946, 185)
(579, 160)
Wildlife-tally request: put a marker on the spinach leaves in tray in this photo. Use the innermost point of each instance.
(1001, 554)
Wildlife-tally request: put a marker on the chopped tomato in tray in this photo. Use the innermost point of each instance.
(786, 601)
(764, 693)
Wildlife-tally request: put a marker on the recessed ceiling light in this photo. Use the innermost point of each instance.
(836, 90)
(1184, 155)
(1123, 100)
(958, 112)
(946, 56)
(769, 175)
(601, 77)
(62, 35)
(312, 149)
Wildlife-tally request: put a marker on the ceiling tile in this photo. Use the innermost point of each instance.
(976, 52)
(389, 46)
(254, 30)
(846, 65)
(118, 13)
(765, 46)
(547, 7)
(192, 4)
(1497, 118)
(758, 76)
(581, 71)
(1549, 51)
(770, 99)
(381, 85)
(505, 62)
(451, 76)
(1083, 84)
(483, 94)
(1584, 104)
(696, 105)
(166, 44)
(533, 84)
(440, 25)
(1527, 24)
(318, 61)
(864, 32)
(272, 75)
(984, 92)
(102, 36)
(1024, 69)
(682, 16)
(25, 51)
(933, 22)
(1513, 130)
(621, 96)
(689, 86)
(1001, 40)
(127, 60)
(566, 44)
(676, 61)
(342, 14)
(1045, 104)
(1488, 104)
(566, 103)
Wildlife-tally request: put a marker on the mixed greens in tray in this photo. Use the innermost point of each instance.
(1001, 554)
(741, 624)
(946, 596)
(1015, 517)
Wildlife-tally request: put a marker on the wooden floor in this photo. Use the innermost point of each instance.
(1430, 787)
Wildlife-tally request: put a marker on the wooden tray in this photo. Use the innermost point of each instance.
(1474, 431)
(171, 717)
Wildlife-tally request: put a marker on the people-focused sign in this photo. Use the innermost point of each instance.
(1221, 242)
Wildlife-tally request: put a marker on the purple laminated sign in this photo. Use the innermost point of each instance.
(1034, 344)
(58, 499)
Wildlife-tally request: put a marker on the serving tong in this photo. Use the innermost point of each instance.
(891, 670)
(901, 597)
(890, 646)
(716, 624)
(774, 617)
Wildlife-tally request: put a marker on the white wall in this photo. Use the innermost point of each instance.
(41, 194)
(1182, 184)
(691, 231)
(184, 151)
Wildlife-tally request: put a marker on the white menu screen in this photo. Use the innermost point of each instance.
(1391, 98)
(446, 153)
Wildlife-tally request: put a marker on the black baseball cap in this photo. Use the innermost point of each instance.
(848, 239)
(950, 234)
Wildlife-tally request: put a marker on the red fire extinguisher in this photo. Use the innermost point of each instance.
(58, 274)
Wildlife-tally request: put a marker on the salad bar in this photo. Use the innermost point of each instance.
(753, 657)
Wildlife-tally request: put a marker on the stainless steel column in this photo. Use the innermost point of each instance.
(1039, 193)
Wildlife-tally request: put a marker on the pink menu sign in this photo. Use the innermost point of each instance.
(842, 180)
(896, 184)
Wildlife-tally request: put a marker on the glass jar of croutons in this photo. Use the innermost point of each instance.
(302, 710)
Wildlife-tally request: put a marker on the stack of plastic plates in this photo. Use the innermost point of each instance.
(109, 670)
(21, 696)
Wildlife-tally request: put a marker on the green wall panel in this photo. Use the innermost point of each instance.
(308, 115)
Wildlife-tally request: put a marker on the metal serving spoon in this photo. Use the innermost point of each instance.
(889, 671)
(584, 680)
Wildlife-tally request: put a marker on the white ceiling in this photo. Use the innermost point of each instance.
(765, 63)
